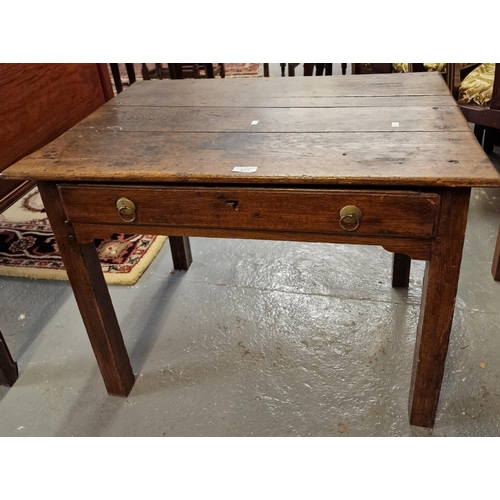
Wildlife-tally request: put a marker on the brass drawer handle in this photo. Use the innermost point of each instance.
(350, 217)
(126, 209)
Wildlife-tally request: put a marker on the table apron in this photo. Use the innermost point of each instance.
(417, 249)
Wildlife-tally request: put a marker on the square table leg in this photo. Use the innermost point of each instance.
(8, 367)
(401, 265)
(181, 252)
(437, 307)
(92, 296)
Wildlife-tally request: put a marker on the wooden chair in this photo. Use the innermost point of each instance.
(171, 70)
(39, 102)
(117, 79)
(371, 68)
(327, 68)
(178, 71)
(451, 72)
(291, 68)
(486, 119)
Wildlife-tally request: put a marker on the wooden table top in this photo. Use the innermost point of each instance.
(369, 130)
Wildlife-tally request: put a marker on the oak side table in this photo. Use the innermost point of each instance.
(364, 159)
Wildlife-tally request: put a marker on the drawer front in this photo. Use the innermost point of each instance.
(382, 213)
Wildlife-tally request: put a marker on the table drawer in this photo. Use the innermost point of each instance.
(391, 213)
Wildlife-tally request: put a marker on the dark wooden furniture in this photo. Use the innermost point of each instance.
(117, 79)
(486, 119)
(178, 71)
(453, 73)
(39, 102)
(327, 68)
(378, 68)
(291, 69)
(8, 368)
(370, 68)
(359, 159)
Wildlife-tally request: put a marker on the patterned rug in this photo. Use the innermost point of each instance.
(242, 69)
(28, 247)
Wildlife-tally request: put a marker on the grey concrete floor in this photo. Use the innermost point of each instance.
(259, 338)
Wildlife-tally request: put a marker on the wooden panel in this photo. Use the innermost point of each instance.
(189, 119)
(418, 249)
(39, 102)
(390, 213)
(107, 88)
(381, 158)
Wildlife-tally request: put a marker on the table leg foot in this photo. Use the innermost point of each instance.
(437, 307)
(92, 296)
(401, 265)
(181, 252)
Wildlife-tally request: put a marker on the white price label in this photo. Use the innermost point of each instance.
(255, 122)
(395, 124)
(245, 169)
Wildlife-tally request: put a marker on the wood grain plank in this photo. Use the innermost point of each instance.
(278, 101)
(234, 91)
(375, 158)
(269, 120)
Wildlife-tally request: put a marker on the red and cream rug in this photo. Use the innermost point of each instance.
(28, 247)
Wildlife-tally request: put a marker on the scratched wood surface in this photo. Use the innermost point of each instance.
(222, 119)
(271, 91)
(152, 132)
